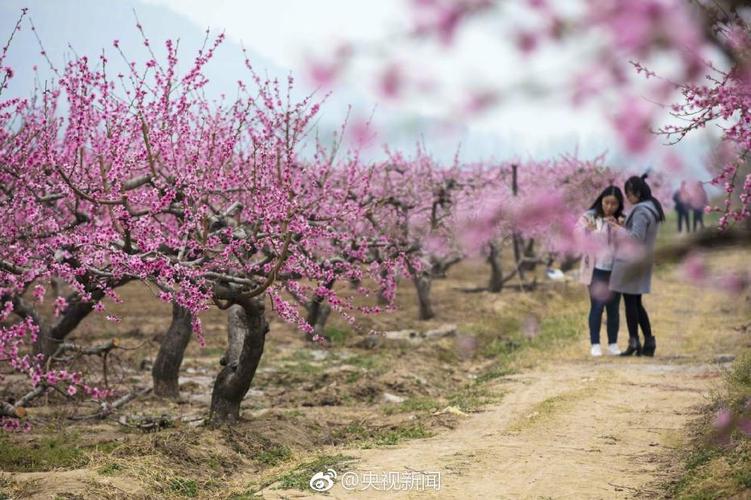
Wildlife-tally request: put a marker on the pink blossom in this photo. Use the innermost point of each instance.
(38, 293)
(694, 268)
(392, 81)
(723, 419)
(633, 122)
(526, 41)
(60, 305)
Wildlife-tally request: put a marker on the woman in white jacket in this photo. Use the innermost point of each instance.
(597, 264)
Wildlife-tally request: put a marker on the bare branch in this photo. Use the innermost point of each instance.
(106, 409)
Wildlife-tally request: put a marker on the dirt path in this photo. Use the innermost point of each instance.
(575, 427)
(577, 430)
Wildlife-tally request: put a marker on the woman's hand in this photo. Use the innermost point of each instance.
(613, 221)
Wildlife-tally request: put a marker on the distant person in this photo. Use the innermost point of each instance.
(698, 200)
(597, 263)
(680, 198)
(634, 260)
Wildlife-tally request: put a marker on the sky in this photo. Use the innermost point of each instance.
(289, 31)
(283, 36)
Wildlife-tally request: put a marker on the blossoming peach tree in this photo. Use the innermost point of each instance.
(137, 176)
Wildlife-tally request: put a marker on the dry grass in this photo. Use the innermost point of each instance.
(713, 464)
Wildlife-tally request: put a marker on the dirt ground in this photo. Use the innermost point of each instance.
(574, 430)
(508, 404)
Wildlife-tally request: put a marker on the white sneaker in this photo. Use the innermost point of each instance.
(613, 348)
(596, 351)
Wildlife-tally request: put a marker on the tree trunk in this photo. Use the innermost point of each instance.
(516, 239)
(318, 311)
(529, 255)
(496, 269)
(518, 243)
(246, 332)
(166, 368)
(49, 339)
(382, 300)
(318, 314)
(422, 285)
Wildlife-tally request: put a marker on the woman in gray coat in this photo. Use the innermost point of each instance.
(634, 258)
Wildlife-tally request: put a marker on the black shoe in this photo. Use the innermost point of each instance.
(634, 347)
(649, 346)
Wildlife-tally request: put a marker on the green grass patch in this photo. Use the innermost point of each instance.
(718, 464)
(373, 363)
(558, 331)
(502, 339)
(701, 456)
(471, 397)
(247, 495)
(110, 469)
(299, 477)
(419, 404)
(446, 355)
(184, 487)
(105, 447)
(549, 407)
(552, 333)
(303, 368)
(54, 452)
(395, 436)
(337, 336)
(495, 372)
(274, 455)
(500, 347)
(4, 485)
(255, 446)
(354, 432)
(364, 436)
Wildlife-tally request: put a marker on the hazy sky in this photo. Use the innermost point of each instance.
(284, 35)
(288, 31)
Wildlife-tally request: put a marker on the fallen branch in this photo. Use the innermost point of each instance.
(35, 393)
(147, 423)
(8, 410)
(106, 408)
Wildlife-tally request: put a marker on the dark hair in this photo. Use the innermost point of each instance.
(609, 191)
(638, 187)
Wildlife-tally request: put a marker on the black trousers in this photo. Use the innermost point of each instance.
(611, 304)
(683, 216)
(636, 316)
(698, 219)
